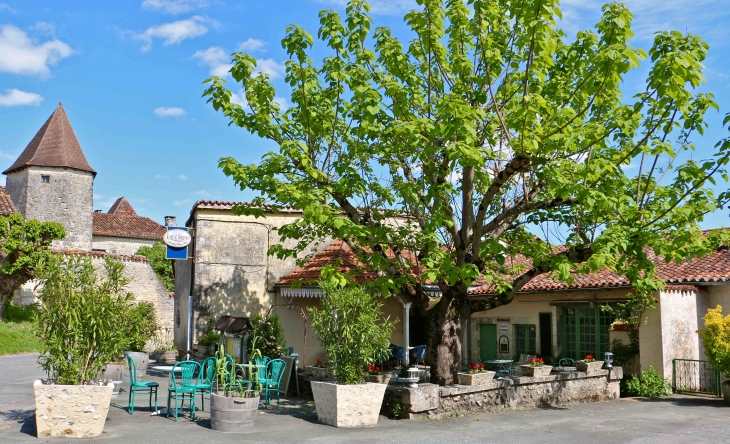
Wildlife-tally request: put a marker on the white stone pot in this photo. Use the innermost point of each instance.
(71, 411)
(378, 379)
(588, 367)
(348, 405)
(166, 357)
(317, 372)
(540, 370)
(479, 378)
(114, 371)
(141, 361)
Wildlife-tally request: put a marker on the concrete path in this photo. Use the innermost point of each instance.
(676, 419)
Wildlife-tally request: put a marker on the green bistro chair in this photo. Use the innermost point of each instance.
(205, 379)
(186, 386)
(272, 382)
(139, 387)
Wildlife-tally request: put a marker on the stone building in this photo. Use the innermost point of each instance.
(52, 180)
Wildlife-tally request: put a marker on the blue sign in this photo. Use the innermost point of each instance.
(177, 243)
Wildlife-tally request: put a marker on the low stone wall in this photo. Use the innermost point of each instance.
(432, 401)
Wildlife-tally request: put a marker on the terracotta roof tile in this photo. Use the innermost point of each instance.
(122, 207)
(101, 254)
(127, 226)
(336, 252)
(6, 204)
(55, 144)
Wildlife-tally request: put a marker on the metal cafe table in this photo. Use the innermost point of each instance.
(502, 366)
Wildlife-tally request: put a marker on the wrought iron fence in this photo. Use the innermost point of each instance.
(694, 376)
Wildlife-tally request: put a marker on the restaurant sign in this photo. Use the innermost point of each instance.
(177, 240)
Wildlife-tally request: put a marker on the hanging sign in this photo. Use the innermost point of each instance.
(177, 240)
(503, 328)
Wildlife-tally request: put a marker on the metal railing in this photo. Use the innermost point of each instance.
(695, 376)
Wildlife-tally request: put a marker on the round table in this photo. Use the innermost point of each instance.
(166, 368)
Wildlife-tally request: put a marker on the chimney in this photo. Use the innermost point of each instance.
(170, 221)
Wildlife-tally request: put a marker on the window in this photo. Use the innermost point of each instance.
(525, 340)
(45, 179)
(585, 330)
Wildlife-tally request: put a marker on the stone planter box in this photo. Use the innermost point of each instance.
(114, 371)
(71, 411)
(480, 378)
(320, 372)
(206, 350)
(141, 361)
(588, 367)
(541, 370)
(378, 379)
(233, 415)
(166, 357)
(348, 405)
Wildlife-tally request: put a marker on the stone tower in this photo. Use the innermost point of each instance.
(53, 181)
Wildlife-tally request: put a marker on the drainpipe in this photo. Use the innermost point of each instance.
(406, 329)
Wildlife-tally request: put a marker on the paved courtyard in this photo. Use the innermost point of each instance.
(677, 419)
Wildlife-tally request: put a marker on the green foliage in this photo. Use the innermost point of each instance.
(164, 340)
(19, 313)
(81, 322)
(649, 384)
(141, 325)
(17, 337)
(351, 327)
(716, 339)
(235, 380)
(270, 336)
(209, 338)
(623, 354)
(161, 266)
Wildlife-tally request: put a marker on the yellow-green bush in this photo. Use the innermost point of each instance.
(716, 338)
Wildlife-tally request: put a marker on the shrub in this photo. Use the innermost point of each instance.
(160, 265)
(209, 338)
(649, 384)
(18, 313)
(716, 339)
(351, 327)
(78, 324)
(269, 336)
(141, 325)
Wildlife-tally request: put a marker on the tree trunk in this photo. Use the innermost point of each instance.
(448, 320)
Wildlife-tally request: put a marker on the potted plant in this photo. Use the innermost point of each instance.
(207, 343)
(234, 402)
(114, 372)
(589, 364)
(78, 339)
(374, 375)
(536, 367)
(141, 324)
(476, 374)
(351, 327)
(165, 350)
(318, 370)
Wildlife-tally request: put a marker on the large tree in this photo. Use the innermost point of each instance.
(25, 247)
(490, 145)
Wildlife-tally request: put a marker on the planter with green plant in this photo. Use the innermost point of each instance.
(141, 325)
(716, 340)
(589, 364)
(234, 402)
(476, 374)
(165, 350)
(78, 338)
(351, 327)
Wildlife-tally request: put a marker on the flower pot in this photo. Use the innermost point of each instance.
(233, 414)
(540, 370)
(588, 367)
(141, 361)
(71, 411)
(348, 405)
(114, 371)
(378, 379)
(480, 378)
(166, 356)
(317, 372)
(205, 350)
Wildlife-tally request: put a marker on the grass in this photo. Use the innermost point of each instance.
(16, 330)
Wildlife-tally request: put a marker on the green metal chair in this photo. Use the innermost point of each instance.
(139, 387)
(272, 382)
(187, 385)
(289, 351)
(205, 379)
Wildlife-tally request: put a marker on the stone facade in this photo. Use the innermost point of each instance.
(120, 245)
(66, 198)
(71, 411)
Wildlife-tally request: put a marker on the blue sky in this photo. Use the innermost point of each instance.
(129, 74)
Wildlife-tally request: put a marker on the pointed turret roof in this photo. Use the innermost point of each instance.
(54, 145)
(122, 207)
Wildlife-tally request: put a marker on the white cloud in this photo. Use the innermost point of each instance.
(4, 155)
(270, 67)
(379, 7)
(174, 6)
(21, 55)
(176, 32)
(4, 7)
(182, 177)
(283, 104)
(203, 193)
(252, 45)
(161, 176)
(177, 203)
(216, 59)
(239, 98)
(16, 97)
(45, 28)
(165, 111)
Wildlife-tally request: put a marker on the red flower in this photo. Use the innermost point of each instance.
(481, 366)
(471, 367)
(532, 360)
(370, 367)
(377, 369)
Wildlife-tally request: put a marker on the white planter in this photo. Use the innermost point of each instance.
(114, 371)
(166, 357)
(348, 405)
(479, 378)
(588, 367)
(71, 411)
(141, 361)
(378, 379)
(540, 370)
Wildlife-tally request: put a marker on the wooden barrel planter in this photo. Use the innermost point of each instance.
(114, 372)
(233, 415)
(141, 361)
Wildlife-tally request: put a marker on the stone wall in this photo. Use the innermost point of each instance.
(432, 401)
(120, 245)
(66, 199)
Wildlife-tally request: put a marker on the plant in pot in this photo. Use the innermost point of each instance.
(79, 331)
(716, 340)
(476, 374)
(589, 364)
(165, 350)
(536, 367)
(351, 327)
(318, 370)
(374, 375)
(234, 402)
(141, 325)
(208, 342)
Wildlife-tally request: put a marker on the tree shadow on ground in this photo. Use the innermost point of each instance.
(24, 417)
(683, 401)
